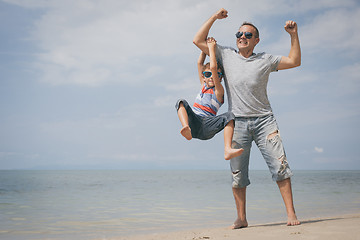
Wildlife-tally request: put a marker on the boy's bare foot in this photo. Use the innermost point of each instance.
(239, 224)
(232, 152)
(293, 221)
(186, 132)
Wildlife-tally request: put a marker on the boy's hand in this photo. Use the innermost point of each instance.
(211, 42)
(291, 27)
(222, 13)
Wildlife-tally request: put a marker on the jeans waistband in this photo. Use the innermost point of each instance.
(253, 117)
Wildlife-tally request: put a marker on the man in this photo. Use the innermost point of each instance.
(246, 77)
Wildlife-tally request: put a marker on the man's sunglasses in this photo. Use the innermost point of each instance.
(248, 35)
(208, 74)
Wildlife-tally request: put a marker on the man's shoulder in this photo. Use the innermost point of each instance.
(266, 58)
(223, 52)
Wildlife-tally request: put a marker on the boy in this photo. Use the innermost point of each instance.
(201, 121)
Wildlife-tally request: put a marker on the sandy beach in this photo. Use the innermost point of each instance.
(332, 228)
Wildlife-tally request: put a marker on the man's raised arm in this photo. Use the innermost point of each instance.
(294, 58)
(202, 34)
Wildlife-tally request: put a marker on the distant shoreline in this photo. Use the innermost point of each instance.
(170, 169)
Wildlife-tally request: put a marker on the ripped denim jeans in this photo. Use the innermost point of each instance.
(265, 133)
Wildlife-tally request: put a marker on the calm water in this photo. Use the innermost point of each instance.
(104, 204)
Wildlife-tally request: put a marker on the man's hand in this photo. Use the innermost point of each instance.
(291, 27)
(201, 36)
(221, 14)
(294, 58)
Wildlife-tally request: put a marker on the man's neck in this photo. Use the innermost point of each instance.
(246, 53)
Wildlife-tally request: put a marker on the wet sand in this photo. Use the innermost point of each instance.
(332, 228)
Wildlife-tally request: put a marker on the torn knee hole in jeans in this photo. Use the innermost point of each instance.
(283, 161)
(273, 134)
(274, 138)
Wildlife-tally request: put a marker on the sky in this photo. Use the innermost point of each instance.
(92, 84)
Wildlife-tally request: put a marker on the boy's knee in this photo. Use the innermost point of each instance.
(180, 103)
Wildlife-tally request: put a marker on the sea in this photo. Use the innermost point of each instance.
(103, 204)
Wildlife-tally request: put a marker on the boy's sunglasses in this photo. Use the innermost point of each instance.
(208, 74)
(248, 35)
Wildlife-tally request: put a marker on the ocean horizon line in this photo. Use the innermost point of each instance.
(151, 169)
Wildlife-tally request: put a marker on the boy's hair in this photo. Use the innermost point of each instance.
(207, 65)
(252, 25)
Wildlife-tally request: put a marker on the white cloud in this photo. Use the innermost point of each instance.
(338, 83)
(290, 82)
(333, 30)
(348, 79)
(165, 101)
(11, 155)
(187, 84)
(93, 43)
(336, 162)
(319, 150)
(320, 113)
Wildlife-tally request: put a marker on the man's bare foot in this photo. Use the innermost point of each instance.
(239, 224)
(230, 153)
(186, 132)
(293, 221)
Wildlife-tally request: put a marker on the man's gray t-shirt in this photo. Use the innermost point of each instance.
(246, 81)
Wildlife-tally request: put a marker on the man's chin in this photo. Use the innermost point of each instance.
(242, 46)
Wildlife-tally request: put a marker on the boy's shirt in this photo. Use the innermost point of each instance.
(206, 103)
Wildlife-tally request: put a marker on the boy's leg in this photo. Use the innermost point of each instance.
(230, 152)
(184, 119)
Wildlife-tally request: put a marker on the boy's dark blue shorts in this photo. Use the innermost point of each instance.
(202, 127)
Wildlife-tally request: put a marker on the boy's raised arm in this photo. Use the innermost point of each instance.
(200, 66)
(219, 89)
(201, 36)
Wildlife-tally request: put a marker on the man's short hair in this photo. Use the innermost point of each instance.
(252, 25)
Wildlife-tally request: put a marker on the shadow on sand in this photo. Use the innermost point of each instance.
(302, 222)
